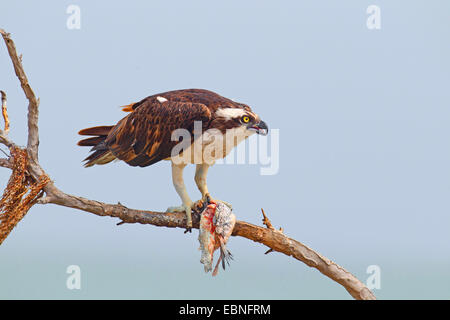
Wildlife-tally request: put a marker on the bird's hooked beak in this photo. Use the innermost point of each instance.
(260, 128)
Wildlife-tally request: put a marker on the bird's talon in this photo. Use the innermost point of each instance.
(187, 208)
(201, 204)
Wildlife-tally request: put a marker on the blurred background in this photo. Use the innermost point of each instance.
(364, 155)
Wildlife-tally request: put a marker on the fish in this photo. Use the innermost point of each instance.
(217, 222)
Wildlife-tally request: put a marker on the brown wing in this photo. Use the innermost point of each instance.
(144, 136)
(210, 99)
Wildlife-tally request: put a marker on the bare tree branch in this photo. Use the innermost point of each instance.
(4, 133)
(276, 240)
(33, 130)
(5, 112)
(6, 163)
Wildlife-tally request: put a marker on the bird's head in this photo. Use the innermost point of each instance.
(244, 118)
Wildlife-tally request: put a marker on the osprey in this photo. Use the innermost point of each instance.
(185, 126)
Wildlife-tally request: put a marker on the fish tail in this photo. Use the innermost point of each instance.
(225, 254)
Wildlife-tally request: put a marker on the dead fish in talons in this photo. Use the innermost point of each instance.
(216, 225)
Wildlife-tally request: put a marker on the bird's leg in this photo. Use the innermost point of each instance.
(201, 171)
(178, 182)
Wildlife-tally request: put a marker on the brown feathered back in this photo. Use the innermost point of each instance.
(143, 137)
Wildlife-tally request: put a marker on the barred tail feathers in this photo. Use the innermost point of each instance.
(100, 152)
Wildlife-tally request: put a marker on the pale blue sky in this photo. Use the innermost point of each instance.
(364, 143)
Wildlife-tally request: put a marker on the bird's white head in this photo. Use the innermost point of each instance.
(242, 118)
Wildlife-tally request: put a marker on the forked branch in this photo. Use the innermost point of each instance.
(276, 240)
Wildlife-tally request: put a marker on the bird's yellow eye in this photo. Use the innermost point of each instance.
(245, 119)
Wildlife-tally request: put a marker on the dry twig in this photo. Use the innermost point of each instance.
(5, 112)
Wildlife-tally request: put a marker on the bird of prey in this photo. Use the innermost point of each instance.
(146, 136)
